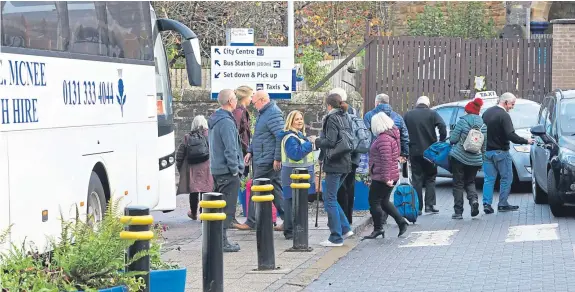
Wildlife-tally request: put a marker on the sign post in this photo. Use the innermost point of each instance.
(261, 68)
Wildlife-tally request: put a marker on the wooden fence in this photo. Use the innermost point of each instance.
(444, 69)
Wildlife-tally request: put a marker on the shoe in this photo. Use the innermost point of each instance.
(242, 227)
(507, 208)
(419, 213)
(192, 216)
(328, 243)
(375, 234)
(289, 236)
(487, 209)
(474, 208)
(431, 209)
(279, 228)
(231, 247)
(457, 216)
(348, 234)
(402, 228)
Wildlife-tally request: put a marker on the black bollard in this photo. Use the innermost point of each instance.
(212, 217)
(139, 221)
(300, 185)
(263, 198)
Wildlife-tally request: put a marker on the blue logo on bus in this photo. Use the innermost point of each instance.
(121, 97)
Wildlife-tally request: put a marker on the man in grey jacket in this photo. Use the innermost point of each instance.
(265, 151)
(226, 163)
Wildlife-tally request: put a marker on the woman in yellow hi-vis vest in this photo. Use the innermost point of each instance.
(296, 152)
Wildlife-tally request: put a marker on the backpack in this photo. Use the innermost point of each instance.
(405, 199)
(197, 149)
(474, 141)
(362, 135)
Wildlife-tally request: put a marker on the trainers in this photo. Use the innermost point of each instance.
(488, 209)
(328, 243)
(348, 234)
(474, 208)
(457, 216)
(231, 247)
(507, 208)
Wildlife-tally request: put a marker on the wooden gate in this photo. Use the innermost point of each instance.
(444, 69)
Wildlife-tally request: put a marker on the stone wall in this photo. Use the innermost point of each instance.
(198, 102)
(563, 54)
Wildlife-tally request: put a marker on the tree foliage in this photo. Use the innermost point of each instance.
(460, 19)
(336, 27)
(209, 20)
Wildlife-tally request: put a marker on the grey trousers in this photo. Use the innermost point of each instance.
(229, 186)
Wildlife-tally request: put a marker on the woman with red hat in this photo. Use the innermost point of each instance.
(469, 140)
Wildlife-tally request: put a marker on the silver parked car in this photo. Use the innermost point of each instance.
(524, 116)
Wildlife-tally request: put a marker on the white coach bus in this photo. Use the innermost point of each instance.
(85, 111)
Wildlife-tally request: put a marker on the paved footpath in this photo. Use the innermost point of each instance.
(183, 245)
(528, 250)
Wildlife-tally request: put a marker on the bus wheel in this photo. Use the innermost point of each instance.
(96, 199)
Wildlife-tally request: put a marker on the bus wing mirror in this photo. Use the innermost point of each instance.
(191, 46)
(193, 66)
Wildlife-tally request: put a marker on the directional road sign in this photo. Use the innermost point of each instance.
(261, 68)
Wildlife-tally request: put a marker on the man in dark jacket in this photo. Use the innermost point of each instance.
(265, 150)
(500, 131)
(226, 163)
(421, 124)
(382, 105)
(346, 193)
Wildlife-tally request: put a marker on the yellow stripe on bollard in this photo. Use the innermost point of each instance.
(213, 204)
(299, 176)
(266, 198)
(262, 188)
(213, 216)
(137, 235)
(137, 220)
(300, 185)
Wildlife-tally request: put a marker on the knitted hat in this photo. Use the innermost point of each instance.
(474, 106)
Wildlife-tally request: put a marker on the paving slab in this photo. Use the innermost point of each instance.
(183, 245)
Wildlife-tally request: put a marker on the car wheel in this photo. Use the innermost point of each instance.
(539, 197)
(555, 203)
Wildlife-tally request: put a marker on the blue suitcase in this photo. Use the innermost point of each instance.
(405, 198)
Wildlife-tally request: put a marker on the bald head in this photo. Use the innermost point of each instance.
(261, 98)
(227, 99)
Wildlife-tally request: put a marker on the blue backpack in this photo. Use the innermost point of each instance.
(438, 153)
(406, 200)
(360, 132)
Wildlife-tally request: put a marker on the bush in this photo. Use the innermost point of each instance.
(86, 257)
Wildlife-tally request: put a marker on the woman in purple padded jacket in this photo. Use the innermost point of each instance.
(384, 172)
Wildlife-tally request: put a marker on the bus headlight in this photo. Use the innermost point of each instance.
(167, 161)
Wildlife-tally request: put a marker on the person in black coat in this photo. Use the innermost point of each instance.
(421, 124)
(335, 145)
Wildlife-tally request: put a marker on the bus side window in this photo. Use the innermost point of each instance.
(88, 32)
(34, 25)
(131, 34)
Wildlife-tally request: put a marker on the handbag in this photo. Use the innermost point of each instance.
(438, 154)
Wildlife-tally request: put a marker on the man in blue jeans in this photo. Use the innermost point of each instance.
(497, 159)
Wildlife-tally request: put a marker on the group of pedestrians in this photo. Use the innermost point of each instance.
(277, 146)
